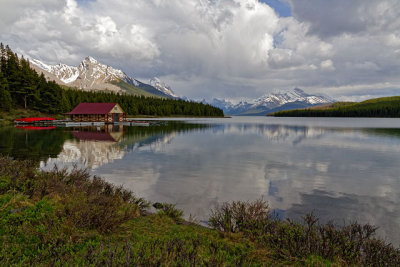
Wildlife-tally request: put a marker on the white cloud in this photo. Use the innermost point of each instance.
(327, 65)
(218, 48)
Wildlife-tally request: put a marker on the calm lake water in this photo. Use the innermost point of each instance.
(342, 169)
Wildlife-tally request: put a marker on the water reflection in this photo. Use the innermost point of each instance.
(93, 147)
(33, 144)
(344, 173)
(341, 173)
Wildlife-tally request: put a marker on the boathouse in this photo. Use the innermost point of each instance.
(97, 112)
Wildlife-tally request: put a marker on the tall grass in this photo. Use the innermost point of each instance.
(351, 244)
(169, 210)
(87, 202)
(62, 217)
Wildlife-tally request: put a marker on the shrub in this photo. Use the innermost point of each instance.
(353, 243)
(239, 216)
(169, 210)
(86, 202)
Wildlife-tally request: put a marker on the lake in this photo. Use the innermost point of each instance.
(343, 169)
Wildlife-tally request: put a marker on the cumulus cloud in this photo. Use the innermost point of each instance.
(216, 48)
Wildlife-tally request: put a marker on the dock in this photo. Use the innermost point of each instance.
(67, 123)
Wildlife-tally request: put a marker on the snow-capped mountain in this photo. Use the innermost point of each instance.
(271, 103)
(65, 73)
(163, 87)
(228, 107)
(93, 75)
(275, 100)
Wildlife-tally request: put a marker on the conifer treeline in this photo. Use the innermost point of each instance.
(384, 107)
(22, 87)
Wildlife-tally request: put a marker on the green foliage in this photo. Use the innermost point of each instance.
(169, 210)
(86, 202)
(5, 97)
(29, 90)
(26, 228)
(238, 216)
(131, 89)
(388, 107)
(69, 218)
(170, 252)
(353, 243)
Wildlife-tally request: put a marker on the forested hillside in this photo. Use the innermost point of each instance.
(22, 87)
(384, 107)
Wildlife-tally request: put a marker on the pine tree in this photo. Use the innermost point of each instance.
(21, 86)
(5, 97)
(65, 106)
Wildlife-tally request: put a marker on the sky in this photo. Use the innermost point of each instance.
(233, 49)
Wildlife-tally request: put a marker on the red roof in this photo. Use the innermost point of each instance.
(35, 119)
(92, 108)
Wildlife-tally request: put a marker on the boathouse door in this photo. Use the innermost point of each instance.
(115, 117)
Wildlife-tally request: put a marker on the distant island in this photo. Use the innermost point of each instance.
(384, 107)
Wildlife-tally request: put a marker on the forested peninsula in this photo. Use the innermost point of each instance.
(384, 107)
(21, 87)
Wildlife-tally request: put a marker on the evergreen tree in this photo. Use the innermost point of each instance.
(21, 86)
(5, 97)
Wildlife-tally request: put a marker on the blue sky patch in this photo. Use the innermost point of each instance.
(84, 2)
(281, 7)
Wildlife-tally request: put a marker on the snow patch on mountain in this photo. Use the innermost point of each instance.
(93, 75)
(65, 73)
(91, 69)
(40, 64)
(265, 103)
(163, 87)
(281, 98)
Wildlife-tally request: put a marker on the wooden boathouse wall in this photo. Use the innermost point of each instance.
(97, 112)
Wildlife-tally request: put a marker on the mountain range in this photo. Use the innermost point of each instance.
(273, 102)
(92, 75)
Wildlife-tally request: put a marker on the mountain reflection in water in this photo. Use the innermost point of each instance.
(93, 147)
(342, 170)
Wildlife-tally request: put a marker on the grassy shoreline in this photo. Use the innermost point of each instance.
(70, 218)
(7, 118)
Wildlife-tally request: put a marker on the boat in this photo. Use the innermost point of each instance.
(37, 128)
(34, 120)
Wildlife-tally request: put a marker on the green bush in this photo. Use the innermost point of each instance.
(353, 243)
(65, 217)
(169, 210)
(86, 202)
(239, 216)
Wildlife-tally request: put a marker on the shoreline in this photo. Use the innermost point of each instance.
(8, 118)
(88, 219)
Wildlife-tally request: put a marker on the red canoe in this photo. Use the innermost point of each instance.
(36, 127)
(37, 119)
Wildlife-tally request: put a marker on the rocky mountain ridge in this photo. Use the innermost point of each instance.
(271, 103)
(93, 75)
